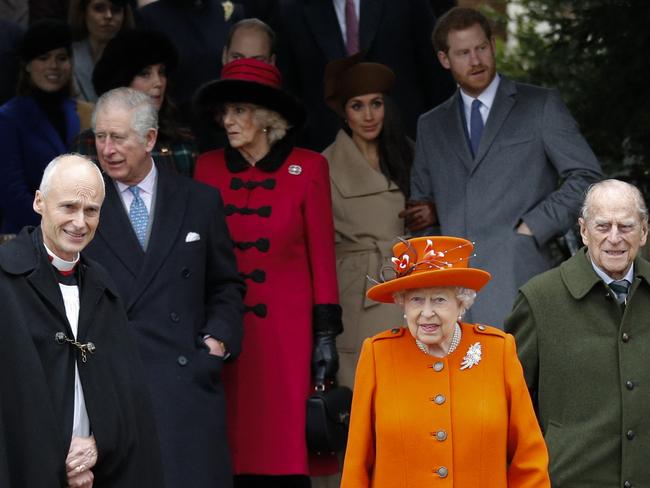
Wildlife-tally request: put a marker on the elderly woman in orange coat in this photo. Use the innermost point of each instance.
(440, 402)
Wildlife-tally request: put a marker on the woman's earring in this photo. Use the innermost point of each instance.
(265, 130)
(404, 315)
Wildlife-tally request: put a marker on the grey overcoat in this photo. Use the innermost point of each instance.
(530, 143)
(586, 364)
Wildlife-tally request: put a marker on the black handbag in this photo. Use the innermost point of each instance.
(328, 418)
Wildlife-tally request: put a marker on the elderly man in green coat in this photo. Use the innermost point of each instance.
(583, 336)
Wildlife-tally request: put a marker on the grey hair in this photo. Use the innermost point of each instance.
(465, 296)
(144, 112)
(51, 168)
(610, 185)
(276, 126)
(254, 24)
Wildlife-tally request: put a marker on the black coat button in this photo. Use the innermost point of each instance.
(629, 385)
(182, 360)
(627, 484)
(630, 434)
(174, 317)
(186, 273)
(625, 337)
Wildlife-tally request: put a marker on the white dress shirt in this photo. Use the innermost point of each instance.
(70, 294)
(486, 98)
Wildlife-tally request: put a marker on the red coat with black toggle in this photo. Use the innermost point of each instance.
(280, 218)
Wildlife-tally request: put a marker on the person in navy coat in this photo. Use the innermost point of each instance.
(39, 123)
(163, 237)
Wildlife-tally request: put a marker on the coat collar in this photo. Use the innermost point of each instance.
(278, 154)
(25, 255)
(351, 173)
(454, 118)
(321, 18)
(169, 213)
(579, 276)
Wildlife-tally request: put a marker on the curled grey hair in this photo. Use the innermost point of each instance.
(50, 169)
(612, 184)
(465, 296)
(276, 126)
(145, 113)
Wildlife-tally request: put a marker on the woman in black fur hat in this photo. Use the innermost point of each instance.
(145, 60)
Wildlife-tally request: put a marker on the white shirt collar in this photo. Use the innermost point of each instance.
(146, 185)
(486, 97)
(629, 276)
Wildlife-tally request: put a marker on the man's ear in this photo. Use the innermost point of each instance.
(444, 59)
(150, 139)
(224, 56)
(38, 202)
(583, 231)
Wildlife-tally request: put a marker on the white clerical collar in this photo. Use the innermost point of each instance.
(486, 97)
(629, 276)
(61, 264)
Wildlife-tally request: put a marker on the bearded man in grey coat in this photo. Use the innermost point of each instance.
(490, 158)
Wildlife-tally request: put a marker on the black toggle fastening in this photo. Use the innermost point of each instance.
(259, 309)
(238, 183)
(88, 347)
(262, 244)
(264, 211)
(257, 275)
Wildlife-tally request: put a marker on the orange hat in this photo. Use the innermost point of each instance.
(425, 262)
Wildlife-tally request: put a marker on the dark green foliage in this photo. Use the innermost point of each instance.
(597, 53)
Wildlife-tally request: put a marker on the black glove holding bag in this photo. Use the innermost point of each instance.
(327, 325)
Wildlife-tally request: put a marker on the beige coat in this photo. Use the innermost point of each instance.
(365, 208)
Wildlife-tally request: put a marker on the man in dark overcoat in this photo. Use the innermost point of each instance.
(311, 33)
(583, 336)
(165, 241)
(74, 407)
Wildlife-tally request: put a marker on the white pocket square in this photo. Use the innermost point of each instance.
(192, 237)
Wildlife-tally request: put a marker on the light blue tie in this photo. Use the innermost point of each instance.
(475, 126)
(138, 215)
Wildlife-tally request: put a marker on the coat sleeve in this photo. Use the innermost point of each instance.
(521, 324)
(225, 289)
(570, 154)
(527, 454)
(360, 451)
(319, 229)
(420, 177)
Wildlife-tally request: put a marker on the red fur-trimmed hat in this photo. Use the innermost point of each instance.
(425, 262)
(250, 81)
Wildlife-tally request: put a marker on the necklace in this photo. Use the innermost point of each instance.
(455, 340)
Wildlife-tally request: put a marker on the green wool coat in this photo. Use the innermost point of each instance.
(587, 365)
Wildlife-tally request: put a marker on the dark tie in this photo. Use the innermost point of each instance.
(351, 27)
(475, 126)
(138, 215)
(620, 288)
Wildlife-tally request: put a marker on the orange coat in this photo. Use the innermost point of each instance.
(421, 421)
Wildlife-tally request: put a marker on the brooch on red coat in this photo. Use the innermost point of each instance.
(295, 169)
(472, 357)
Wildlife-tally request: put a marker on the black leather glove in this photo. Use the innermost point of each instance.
(324, 359)
(327, 325)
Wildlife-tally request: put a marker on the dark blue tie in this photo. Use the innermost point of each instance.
(475, 126)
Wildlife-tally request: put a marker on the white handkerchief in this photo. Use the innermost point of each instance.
(192, 237)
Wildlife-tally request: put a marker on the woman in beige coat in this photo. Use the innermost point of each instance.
(369, 164)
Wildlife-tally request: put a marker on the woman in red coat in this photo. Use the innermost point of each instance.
(278, 203)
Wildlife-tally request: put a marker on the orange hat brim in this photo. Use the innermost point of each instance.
(472, 278)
